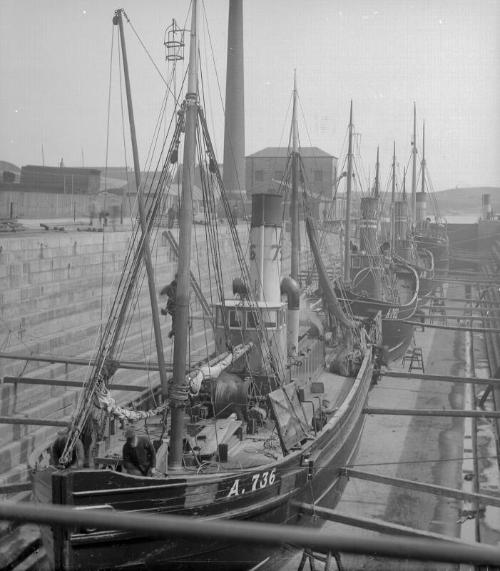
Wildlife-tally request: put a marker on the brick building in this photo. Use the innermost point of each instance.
(65, 180)
(266, 168)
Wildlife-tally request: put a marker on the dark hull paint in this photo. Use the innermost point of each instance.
(207, 496)
(427, 287)
(440, 248)
(396, 335)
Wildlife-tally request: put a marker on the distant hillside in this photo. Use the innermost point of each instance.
(466, 200)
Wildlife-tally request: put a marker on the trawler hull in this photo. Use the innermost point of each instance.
(396, 336)
(396, 333)
(440, 248)
(427, 287)
(264, 494)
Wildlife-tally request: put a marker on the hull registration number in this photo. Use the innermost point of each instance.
(252, 483)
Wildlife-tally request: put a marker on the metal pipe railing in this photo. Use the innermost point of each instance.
(255, 533)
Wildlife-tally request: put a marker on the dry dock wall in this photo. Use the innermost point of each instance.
(15, 203)
(54, 291)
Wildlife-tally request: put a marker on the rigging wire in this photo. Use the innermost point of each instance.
(274, 361)
(167, 84)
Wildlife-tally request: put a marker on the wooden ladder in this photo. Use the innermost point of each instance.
(417, 360)
(312, 557)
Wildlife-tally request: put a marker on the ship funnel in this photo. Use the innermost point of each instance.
(368, 227)
(421, 207)
(368, 224)
(402, 246)
(486, 210)
(265, 246)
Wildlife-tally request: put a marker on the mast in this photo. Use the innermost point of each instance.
(294, 208)
(178, 395)
(423, 158)
(393, 196)
(142, 216)
(413, 208)
(377, 176)
(347, 245)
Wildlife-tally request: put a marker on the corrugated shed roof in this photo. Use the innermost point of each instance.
(283, 152)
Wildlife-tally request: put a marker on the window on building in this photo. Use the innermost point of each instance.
(278, 175)
(259, 176)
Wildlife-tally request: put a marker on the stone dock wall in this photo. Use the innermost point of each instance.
(55, 289)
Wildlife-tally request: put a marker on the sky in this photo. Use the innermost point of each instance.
(384, 55)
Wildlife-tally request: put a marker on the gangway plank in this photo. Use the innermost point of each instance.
(422, 487)
(404, 376)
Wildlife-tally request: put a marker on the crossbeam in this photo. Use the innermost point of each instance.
(464, 308)
(137, 366)
(466, 281)
(446, 327)
(462, 300)
(33, 421)
(433, 412)
(423, 487)
(462, 272)
(434, 313)
(373, 524)
(63, 383)
(403, 375)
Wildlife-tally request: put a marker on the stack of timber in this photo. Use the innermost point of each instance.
(9, 225)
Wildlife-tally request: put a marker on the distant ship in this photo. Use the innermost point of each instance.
(430, 235)
(374, 282)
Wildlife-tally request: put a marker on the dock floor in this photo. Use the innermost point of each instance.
(424, 449)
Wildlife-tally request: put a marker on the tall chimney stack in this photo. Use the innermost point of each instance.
(234, 130)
